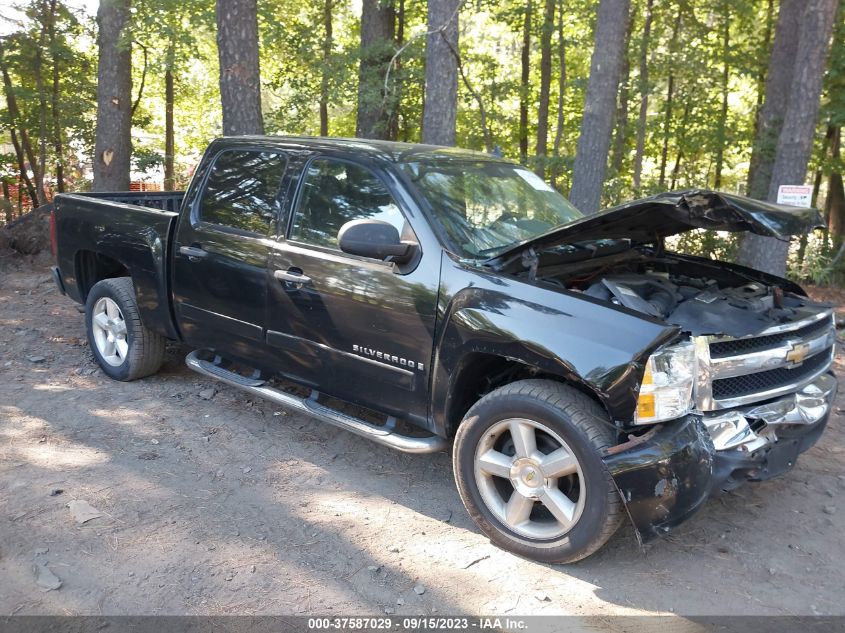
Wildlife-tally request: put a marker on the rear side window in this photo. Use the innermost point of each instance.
(242, 190)
(335, 192)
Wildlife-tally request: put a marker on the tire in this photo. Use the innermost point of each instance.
(491, 474)
(122, 346)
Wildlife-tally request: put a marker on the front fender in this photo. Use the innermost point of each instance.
(559, 332)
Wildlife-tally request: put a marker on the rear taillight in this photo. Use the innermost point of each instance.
(54, 244)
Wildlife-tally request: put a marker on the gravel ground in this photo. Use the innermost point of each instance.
(212, 503)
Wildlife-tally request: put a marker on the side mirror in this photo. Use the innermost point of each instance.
(374, 238)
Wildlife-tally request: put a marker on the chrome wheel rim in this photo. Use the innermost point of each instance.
(530, 479)
(109, 328)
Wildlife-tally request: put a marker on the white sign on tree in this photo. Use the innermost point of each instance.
(795, 195)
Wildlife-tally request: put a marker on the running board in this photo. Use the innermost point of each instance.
(381, 435)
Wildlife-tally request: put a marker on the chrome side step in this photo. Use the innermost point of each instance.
(212, 369)
(382, 435)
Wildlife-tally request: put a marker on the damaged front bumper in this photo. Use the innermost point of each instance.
(667, 474)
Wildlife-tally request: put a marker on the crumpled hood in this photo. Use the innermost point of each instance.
(676, 212)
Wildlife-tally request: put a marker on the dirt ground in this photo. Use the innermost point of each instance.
(217, 504)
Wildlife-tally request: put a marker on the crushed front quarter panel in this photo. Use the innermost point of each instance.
(666, 479)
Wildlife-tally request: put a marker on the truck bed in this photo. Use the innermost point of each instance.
(110, 234)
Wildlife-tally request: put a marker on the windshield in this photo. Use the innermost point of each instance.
(486, 206)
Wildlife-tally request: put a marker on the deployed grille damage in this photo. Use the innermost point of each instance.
(754, 341)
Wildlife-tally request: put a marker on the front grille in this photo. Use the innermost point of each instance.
(735, 347)
(763, 381)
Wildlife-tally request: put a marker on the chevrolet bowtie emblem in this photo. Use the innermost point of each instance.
(798, 353)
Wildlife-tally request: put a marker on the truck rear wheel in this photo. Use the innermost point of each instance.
(123, 347)
(528, 467)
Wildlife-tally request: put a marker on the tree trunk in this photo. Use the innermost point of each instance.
(19, 155)
(113, 145)
(41, 89)
(676, 170)
(834, 205)
(721, 132)
(58, 143)
(622, 108)
(240, 74)
(644, 92)
(778, 81)
(375, 107)
(441, 73)
(545, 86)
(761, 73)
(328, 43)
(143, 82)
(795, 142)
(169, 136)
(561, 93)
(24, 147)
(524, 82)
(670, 95)
(597, 123)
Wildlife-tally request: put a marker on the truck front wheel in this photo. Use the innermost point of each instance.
(123, 347)
(528, 466)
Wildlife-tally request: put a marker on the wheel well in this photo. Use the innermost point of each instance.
(92, 267)
(479, 374)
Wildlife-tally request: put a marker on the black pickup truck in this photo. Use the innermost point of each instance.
(423, 296)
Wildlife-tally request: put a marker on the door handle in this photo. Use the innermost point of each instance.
(193, 252)
(293, 277)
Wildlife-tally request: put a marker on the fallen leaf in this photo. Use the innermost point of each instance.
(83, 511)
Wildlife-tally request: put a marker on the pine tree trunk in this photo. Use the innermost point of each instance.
(24, 176)
(396, 113)
(622, 108)
(23, 148)
(240, 74)
(328, 43)
(524, 82)
(670, 96)
(834, 205)
(58, 142)
(778, 81)
(597, 123)
(169, 135)
(676, 170)
(41, 89)
(795, 142)
(721, 136)
(375, 108)
(441, 73)
(761, 73)
(545, 86)
(644, 92)
(113, 145)
(561, 94)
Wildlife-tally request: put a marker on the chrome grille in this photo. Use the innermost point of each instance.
(766, 380)
(735, 346)
(780, 360)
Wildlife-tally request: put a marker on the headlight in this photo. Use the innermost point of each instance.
(666, 390)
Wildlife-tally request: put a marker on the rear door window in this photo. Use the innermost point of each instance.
(242, 190)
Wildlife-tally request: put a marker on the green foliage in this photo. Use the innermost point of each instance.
(179, 36)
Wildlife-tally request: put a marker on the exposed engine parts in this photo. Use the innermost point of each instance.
(732, 307)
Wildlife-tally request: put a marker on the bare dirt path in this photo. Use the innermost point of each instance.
(216, 504)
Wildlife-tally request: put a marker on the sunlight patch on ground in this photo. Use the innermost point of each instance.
(123, 415)
(58, 458)
(17, 424)
(452, 564)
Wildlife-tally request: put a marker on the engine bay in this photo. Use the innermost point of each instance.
(703, 297)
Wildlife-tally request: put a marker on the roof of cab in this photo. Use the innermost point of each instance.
(392, 151)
